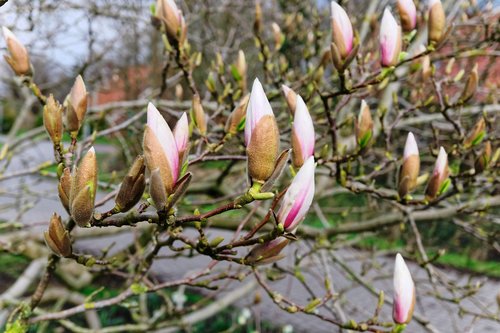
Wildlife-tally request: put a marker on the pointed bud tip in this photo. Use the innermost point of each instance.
(411, 147)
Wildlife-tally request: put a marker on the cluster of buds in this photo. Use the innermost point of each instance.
(76, 106)
(261, 135)
(344, 46)
(82, 190)
(132, 186)
(303, 135)
(411, 167)
(404, 292)
(236, 121)
(172, 20)
(408, 14)
(163, 154)
(57, 237)
(390, 40)
(439, 179)
(364, 126)
(18, 58)
(437, 22)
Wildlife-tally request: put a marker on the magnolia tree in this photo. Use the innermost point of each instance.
(420, 148)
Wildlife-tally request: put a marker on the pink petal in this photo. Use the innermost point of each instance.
(389, 34)
(299, 196)
(181, 132)
(304, 128)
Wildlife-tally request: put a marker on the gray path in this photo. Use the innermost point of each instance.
(356, 302)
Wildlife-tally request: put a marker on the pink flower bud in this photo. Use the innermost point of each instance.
(261, 135)
(404, 292)
(160, 148)
(303, 136)
(342, 33)
(411, 167)
(298, 197)
(408, 14)
(390, 39)
(439, 175)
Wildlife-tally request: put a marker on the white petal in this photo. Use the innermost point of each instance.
(340, 16)
(258, 107)
(164, 135)
(411, 147)
(441, 162)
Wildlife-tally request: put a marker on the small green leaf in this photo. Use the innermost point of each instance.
(235, 73)
(138, 288)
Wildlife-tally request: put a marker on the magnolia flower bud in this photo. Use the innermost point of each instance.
(160, 149)
(267, 253)
(404, 292)
(64, 188)
(241, 67)
(83, 189)
(298, 198)
(181, 135)
(411, 167)
(132, 186)
(76, 106)
(173, 20)
(278, 36)
(179, 91)
(53, 119)
(342, 33)
(57, 237)
(18, 58)
(425, 63)
(437, 21)
(477, 134)
(439, 175)
(408, 14)
(303, 136)
(483, 160)
(471, 85)
(261, 135)
(364, 126)
(390, 40)
(199, 116)
(291, 98)
(236, 120)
